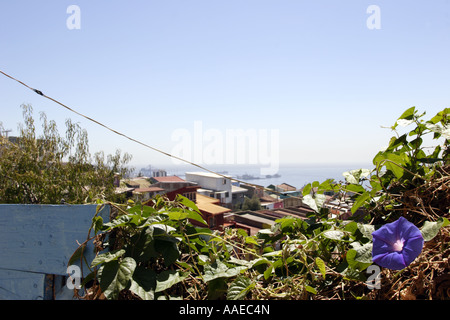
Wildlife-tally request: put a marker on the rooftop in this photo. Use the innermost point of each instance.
(208, 174)
(236, 189)
(168, 179)
(149, 189)
(210, 205)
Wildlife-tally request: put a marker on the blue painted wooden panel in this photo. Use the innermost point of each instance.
(19, 285)
(42, 238)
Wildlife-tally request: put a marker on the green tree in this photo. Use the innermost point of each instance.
(50, 168)
(252, 204)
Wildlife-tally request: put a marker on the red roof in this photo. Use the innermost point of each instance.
(149, 189)
(169, 179)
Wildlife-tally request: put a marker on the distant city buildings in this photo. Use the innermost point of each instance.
(220, 199)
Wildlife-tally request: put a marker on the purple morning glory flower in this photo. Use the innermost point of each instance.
(396, 244)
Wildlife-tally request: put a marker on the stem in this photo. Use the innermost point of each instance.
(194, 264)
(230, 243)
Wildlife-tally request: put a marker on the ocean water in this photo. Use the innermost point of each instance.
(295, 175)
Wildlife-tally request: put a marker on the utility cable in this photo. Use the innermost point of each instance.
(142, 143)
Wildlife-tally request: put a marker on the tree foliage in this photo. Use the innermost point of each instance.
(48, 168)
(252, 203)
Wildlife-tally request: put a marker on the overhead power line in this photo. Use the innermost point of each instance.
(140, 142)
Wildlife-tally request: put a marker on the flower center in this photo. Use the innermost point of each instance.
(398, 245)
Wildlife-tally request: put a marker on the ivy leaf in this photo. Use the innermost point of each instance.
(307, 189)
(197, 217)
(353, 258)
(168, 248)
(392, 161)
(408, 114)
(333, 234)
(194, 212)
(366, 230)
(144, 283)
(219, 270)
(354, 176)
(404, 122)
(116, 276)
(431, 229)
(167, 279)
(107, 257)
(177, 214)
(315, 202)
(360, 200)
(364, 253)
(188, 203)
(97, 222)
(239, 288)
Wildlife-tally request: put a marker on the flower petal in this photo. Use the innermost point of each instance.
(407, 229)
(384, 251)
(387, 233)
(412, 248)
(393, 261)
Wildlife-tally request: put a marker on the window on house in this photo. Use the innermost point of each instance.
(224, 181)
(211, 222)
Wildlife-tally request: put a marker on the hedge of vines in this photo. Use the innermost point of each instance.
(155, 252)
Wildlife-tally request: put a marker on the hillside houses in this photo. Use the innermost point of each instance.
(220, 198)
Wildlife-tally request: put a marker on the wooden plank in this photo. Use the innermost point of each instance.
(19, 285)
(42, 238)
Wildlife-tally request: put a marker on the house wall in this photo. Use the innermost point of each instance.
(215, 183)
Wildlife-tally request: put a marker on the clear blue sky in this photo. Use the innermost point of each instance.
(310, 69)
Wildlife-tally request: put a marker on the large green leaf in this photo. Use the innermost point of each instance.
(168, 248)
(144, 283)
(219, 270)
(307, 189)
(354, 256)
(194, 212)
(334, 234)
(177, 214)
(314, 202)
(393, 162)
(197, 217)
(182, 214)
(360, 200)
(116, 276)
(408, 114)
(366, 230)
(354, 176)
(430, 229)
(363, 252)
(107, 257)
(239, 288)
(188, 203)
(357, 188)
(167, 279)
(122, 221)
